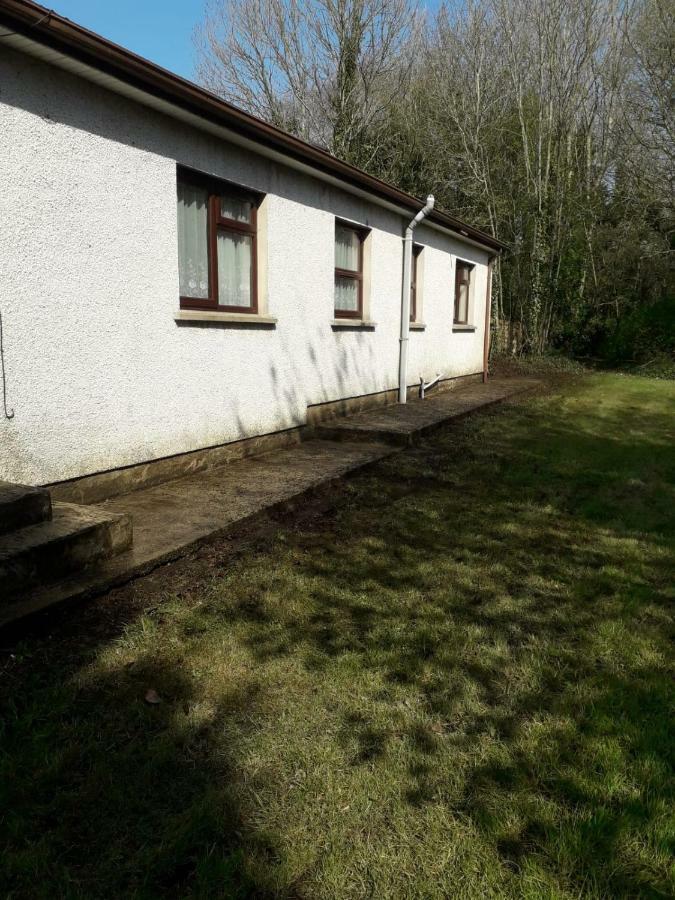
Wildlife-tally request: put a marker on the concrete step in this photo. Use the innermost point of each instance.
(21, 505)
(403, 425)
(367, 434)
(73, 539)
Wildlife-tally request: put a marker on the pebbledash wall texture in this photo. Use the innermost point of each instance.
(98, 371)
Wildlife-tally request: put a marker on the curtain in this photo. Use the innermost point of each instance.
(346, 249)
(462, 303)
(234, 268)
(346, 293)
(193, 261)
(233, 208)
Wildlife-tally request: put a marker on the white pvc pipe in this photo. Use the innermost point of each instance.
(405, 299)
(427, 385)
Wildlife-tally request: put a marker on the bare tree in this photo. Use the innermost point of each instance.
(548, 123)
(649, 108)
(326, 70)
(525, 100)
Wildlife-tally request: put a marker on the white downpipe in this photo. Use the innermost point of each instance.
(405, 299)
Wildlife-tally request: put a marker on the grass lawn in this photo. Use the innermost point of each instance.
(454, 679)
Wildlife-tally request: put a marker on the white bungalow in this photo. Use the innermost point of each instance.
(178, 276)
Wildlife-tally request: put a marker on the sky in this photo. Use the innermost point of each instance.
(159, 30)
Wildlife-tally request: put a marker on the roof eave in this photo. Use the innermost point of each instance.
(38, 23)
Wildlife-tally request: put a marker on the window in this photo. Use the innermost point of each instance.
(348, 271)
(462, 287)
(414, 282)
(216, 245)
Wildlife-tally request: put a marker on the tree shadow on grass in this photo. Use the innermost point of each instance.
(135, 799)
(502, 615)
(509, 622)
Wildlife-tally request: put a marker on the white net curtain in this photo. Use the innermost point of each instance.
(193, 238)
(234, 268)
(347, 250)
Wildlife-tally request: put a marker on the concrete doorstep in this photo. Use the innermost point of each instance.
(172, 519)
(403, 425)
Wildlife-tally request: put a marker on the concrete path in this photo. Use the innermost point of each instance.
(403, 424)
(171, 519)
(179, 514)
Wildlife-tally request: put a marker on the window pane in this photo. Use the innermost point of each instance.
(462, 303)
(346, 294)
(234, 268)
(464, 272)
(347, 244)
(193, 260)
(233, 208)
(416, 250)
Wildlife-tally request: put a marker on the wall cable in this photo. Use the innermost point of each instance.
(9, 413)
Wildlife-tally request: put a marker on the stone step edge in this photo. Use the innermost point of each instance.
(27, 552)
(22, 505)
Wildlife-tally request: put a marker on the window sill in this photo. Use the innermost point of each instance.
(363, 324)
(467, 328)
(418, 326)
(212, 317)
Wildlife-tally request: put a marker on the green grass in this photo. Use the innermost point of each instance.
(456, 681)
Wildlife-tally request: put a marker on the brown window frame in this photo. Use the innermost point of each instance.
(218, 188)
(348, 273)
(416, 252)
(462, 265)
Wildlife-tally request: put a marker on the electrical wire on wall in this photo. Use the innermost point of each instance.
(9, 413)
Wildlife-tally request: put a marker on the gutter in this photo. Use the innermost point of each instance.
(405, 299)
(36, 23)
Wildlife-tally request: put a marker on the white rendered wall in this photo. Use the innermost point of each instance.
(99, 373)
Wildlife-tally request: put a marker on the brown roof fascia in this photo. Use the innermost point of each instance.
(41, 24)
